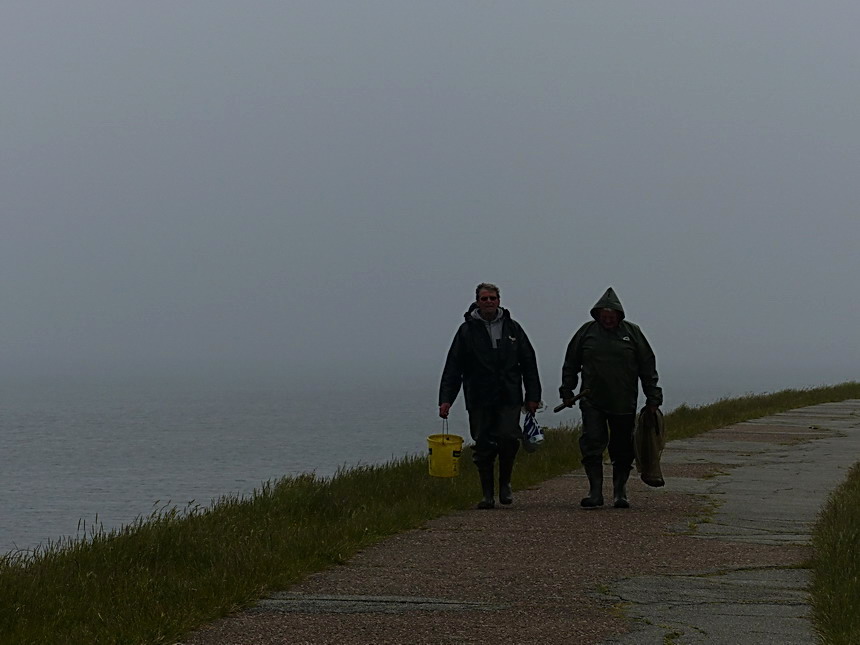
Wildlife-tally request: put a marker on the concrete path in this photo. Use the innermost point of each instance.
(779, 472)
(714, 557)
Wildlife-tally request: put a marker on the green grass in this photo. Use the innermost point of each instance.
(835, 588)
(159, 578)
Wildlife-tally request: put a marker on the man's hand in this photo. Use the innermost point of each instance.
(568, 399)
(653, 408)
(444, 409)
(532, 406)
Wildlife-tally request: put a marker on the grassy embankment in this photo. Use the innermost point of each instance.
(836, 565)
(157, 579)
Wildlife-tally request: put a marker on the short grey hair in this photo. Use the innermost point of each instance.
(487, 286)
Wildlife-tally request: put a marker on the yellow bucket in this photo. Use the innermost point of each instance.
(444, 454)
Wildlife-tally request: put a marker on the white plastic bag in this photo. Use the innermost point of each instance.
(532, 433)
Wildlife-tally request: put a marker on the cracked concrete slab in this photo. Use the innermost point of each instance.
(766, 492)
(289, 602)
(747, 606)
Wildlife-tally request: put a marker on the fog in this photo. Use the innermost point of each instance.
(312, 190)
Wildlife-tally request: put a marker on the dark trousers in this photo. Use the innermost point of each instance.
(600, 430)
(495, 431)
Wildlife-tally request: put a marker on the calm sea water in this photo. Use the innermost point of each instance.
(76, 454)
(111, 453)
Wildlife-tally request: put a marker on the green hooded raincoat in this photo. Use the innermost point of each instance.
(612, 363)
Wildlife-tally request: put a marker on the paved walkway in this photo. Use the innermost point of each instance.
(711, 558)
(771, 494)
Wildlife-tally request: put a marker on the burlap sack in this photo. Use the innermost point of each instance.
(649, 439)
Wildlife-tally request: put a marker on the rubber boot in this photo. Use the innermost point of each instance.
(619, 486)
(486, 475)
(506, 468)
(507, 454)
(594, 472)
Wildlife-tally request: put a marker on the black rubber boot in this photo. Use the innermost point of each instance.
(594, 472)
(487, 487)
(506, 469)
(620, 474)
(506, 494)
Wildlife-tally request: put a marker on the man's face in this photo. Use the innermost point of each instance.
(609, 318)
(488, 303)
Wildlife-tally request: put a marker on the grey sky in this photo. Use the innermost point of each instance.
(320, 185)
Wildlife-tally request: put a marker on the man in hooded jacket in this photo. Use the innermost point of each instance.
(492, 358)
(613, 356)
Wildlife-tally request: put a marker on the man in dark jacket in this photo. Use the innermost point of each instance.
(613, 356)
(492, 358)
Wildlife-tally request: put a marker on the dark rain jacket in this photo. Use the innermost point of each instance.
(612, 363)
(490, 377)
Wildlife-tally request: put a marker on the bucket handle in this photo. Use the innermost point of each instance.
(445, 428)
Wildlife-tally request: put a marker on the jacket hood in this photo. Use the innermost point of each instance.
(607, 301)
(472, 315)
